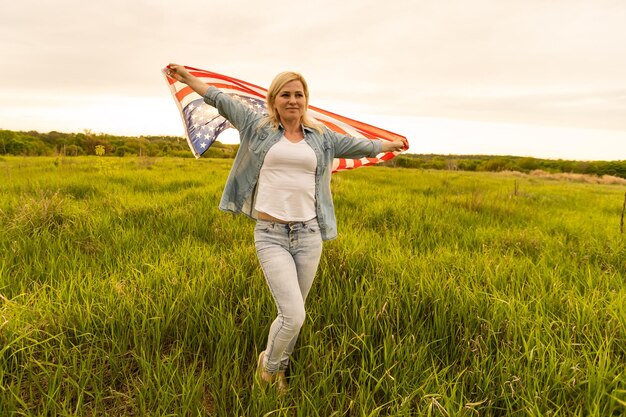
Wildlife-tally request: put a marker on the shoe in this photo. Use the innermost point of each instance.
(278, 379)
(281, 382)
(264, 376)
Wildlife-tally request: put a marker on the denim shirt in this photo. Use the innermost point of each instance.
(239, 192)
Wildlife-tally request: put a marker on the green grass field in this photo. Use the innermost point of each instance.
(124, 291)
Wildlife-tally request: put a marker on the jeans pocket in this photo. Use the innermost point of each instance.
(312, 227)
(263, 226)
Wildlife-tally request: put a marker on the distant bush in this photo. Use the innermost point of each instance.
(76, 144)
(600, 169)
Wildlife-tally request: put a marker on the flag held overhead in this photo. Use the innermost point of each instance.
(203, 123)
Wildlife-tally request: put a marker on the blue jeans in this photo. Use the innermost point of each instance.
(289, 255)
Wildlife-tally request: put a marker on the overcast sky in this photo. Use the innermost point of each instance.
(524, 77)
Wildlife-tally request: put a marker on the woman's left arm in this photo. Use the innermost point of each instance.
(351, 147)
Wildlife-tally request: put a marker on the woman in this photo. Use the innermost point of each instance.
(281, 178)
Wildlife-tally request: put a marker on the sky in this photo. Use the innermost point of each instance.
(535, 78)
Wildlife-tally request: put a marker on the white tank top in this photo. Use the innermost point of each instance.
(286, 188)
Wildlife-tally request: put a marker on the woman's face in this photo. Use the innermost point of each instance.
(290, 102)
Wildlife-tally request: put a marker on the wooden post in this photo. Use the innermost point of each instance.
(621, 223)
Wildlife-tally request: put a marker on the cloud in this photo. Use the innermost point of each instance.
(559, 62)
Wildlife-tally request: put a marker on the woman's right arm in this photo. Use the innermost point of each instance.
(180, 73)
(233, 110)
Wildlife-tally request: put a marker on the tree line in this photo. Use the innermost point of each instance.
(509, 163)
(54, 143)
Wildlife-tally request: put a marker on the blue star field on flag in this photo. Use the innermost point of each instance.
(204, 123)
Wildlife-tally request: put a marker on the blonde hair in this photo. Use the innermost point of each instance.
(278, 83)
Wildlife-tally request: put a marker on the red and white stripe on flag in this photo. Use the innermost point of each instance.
(203, 123)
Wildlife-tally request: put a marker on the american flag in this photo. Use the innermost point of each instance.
(203, 123)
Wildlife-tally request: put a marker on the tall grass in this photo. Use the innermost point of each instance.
(124, 291)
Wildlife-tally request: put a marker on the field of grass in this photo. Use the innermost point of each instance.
(124, 291)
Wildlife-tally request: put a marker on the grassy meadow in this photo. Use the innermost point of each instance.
(124, 291)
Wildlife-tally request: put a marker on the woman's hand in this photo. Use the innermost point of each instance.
(180, 73)
(395, 145)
